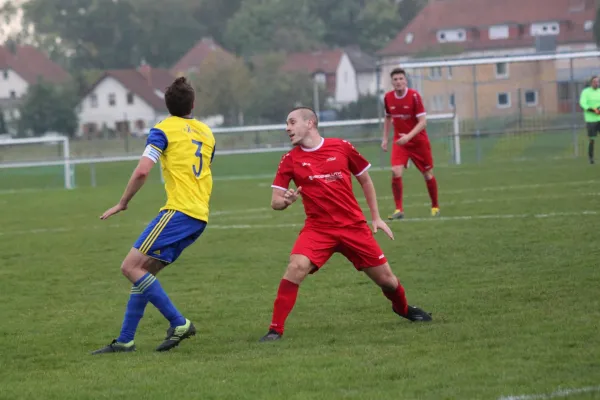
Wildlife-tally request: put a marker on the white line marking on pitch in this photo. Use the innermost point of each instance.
(554, 395)
(260, 211)
(300, 224)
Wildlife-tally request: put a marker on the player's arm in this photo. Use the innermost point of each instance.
(366, 183)
(584, 103)
(283, 198)
(420, 114)
(359, 167)
(155, 145)
(422, 124)
(387, 123)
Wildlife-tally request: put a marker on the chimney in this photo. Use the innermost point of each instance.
(146, 72)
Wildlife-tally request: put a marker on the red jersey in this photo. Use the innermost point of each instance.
(405, 112)
(325, 174)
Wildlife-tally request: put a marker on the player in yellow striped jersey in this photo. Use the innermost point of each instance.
(185, 148)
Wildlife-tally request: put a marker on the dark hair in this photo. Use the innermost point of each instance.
(309, 114)
(397, 71)
(179, 97)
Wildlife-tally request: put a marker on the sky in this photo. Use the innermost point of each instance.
(14, 26)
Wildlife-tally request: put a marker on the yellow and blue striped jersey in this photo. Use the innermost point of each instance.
(186, 148)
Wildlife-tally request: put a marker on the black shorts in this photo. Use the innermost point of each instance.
(593, 128)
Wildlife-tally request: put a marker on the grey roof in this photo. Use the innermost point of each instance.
(361, 61)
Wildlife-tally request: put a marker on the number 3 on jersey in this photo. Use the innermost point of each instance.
(198, 171)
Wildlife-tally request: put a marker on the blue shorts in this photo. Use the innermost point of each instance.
(168, 235)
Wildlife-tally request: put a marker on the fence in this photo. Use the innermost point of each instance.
(526, 104)
(55, 162)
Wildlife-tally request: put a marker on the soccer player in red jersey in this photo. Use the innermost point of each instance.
(404, 109)
(322, 171)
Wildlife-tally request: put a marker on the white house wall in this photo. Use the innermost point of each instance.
(104, 113)
(12, 83)
(367, 83)
(346, 90)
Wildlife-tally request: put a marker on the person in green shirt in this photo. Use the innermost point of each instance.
(590, 103)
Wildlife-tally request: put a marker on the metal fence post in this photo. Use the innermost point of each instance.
(476, 113)
(573, 109)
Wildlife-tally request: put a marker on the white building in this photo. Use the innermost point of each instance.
(126, 101)
(20, 67)
(334, 69)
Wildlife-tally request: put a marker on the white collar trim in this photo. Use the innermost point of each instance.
(314, 148)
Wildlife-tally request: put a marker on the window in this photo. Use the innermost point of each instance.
(13, 94)
(5, 74)
(588, 25)
(409, 38)
(129, 98)
(501, 70)
(498, 32)
(437, 103)
(545, 29)
(93, 100)
(531, 97)
(455, 35)
(450, 72)
(435, 72)
(452, 101)
(503, 100)
(112, 99)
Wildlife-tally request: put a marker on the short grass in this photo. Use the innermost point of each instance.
(510, 273)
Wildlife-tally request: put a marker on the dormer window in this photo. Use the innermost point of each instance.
(545, 29)
(452, 35)
(499, 32)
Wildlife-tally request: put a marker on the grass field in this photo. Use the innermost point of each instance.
(510, 272)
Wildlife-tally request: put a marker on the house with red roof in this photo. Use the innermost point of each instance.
(193, 59)
(20, 67)
(451, 29)
(345, 74)
(125, 101)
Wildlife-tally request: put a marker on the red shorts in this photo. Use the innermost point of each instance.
(356, 243)
(419, 152)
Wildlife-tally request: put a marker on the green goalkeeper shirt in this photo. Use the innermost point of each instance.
(590, 99)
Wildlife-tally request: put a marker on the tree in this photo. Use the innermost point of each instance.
(223, 88)
(167, 31)
(261, 26)
(276, 92)
(377, 24)
(49, 108)
(102, 34)
(213, 15)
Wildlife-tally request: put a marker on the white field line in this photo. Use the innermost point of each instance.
(501, 188)
(300, 224)
(234, 213)
(557, 394)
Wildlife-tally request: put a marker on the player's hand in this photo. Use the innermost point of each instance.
(403, 140)
(113, 210)
(291, 195)
(384, 145)
(379, 224)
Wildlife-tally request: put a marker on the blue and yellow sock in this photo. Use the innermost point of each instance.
(154, 293)
(133, 314)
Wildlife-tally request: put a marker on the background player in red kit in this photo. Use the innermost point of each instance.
(322, 170)
(404, 108)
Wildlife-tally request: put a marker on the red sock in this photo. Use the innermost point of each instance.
(286, 298)
(432, 188)
(397, 191)
(398, 299)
